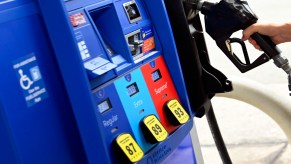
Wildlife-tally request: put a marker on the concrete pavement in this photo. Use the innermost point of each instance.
(251, 136)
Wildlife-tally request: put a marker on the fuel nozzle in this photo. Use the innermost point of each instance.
(224, 18)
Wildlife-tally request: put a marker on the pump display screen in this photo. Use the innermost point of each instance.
(132, 11)
(132, 89)
(104, 105)
(156, 75)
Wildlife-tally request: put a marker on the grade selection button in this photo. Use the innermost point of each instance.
(153, 130)
(129, 147)
(176, 114)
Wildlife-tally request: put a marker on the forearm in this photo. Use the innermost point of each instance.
(279, 33)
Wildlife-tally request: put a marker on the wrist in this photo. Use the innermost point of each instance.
(286, 32)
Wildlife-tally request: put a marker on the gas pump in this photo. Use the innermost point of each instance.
(96, 80)
(133, 71)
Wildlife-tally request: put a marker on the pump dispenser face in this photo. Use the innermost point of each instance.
(90, 81)
(136, 94)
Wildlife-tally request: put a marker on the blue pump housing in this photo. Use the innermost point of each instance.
(71, 79)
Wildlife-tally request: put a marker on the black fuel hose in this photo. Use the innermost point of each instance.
(219, 142)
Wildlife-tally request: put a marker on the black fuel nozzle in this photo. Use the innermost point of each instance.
(224, 18)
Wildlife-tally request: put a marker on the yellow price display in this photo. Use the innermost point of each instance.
(178, 111)
(129, 147)
(155, 127)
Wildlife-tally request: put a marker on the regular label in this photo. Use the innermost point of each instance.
(178, 111)
(30, 79)
(129, 147)
(156, 128)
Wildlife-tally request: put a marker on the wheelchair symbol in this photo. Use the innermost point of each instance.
(25, 81)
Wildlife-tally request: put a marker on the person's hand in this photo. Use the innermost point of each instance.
(279, 33)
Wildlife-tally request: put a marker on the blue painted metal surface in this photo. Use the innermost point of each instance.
(37, 122)
(183, 154)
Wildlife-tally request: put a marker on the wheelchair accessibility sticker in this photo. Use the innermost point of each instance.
(30, 79)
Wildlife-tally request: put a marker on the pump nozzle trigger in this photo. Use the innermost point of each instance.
(226, 46)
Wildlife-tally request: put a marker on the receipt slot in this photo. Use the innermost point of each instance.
(135, 44)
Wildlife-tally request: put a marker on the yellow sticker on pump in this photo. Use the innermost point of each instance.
(156, 128)
(178, 111)
(129, 147)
